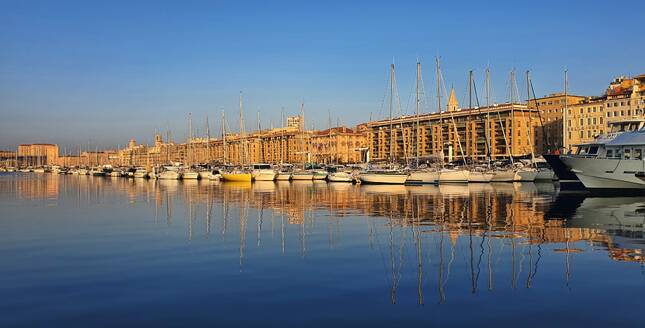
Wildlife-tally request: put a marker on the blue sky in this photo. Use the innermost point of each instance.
(103, 72)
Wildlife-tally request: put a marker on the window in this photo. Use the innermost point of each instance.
(593, 150)
(569, 135)
(629, 112)
(601, 121)
(589, 121)
(608, 114)
(588, 109)
(622, 113)
(610, 153)
(581, 110)
(594, 121)
(582, 122)
(627, 154)
(638, 154)
(589, 134)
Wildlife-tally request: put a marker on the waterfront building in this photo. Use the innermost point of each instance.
(623, 99)
(37, 154)
(511, 129)
(551, 110)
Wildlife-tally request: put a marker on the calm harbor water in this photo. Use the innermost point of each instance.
(85, 251)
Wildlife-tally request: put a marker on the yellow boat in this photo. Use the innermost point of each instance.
(239, 177)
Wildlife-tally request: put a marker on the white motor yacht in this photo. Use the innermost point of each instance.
(610, 162)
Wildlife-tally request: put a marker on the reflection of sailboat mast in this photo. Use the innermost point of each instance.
(419, 255)
(259, 230)
(243, 210)
(224, 214)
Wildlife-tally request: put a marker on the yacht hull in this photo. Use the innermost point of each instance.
(545, 175)
(302, 176)
(340, 177)
(267, 175)
(283, 176)
(480, 177)
(525, 175)
(169, 175)
(598, 174)
(375, 178)
(454, 176)
(190, 176)
(238, 177)
(423, 177)
(503, 176)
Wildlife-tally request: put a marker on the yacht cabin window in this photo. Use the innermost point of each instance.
(627, 153)
(638, 154)
(610, 153)
(593, 150)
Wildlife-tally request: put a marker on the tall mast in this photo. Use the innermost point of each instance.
(439, 108)
(418, 105)
(470, 110)
(390, 109)
(208, 142)
(242, 133)
(499, 117)
(302, 134)
(565, 113)
(529, 131)
(190, 138)
(224, 150)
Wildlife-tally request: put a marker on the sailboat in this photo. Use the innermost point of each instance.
(450, 173)
(188, 173)
(420, 175)
(239, 174)
(390, 175)
(500, 174)
(303, 174)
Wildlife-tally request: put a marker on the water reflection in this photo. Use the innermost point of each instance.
(436, 238)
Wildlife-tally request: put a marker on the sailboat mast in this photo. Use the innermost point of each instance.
(439, 107)
(242, 133)
(390, 109)
(565, 113)
(208, 142)
(224, 150)
(470, 110)
(190, 139)
(528, 97)
(418, 108)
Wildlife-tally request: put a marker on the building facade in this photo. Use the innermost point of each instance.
(623, 99)
(472, 134)
(551, 110)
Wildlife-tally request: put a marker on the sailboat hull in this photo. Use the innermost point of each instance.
(454, 176)
(283, 176)
(190, 175)
(480, 177)
(423, 177)
(238, 177)
(503, 176)
(376, 178)
(525, 175)
(169, 175)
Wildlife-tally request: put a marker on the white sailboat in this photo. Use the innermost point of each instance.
(387, 176)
